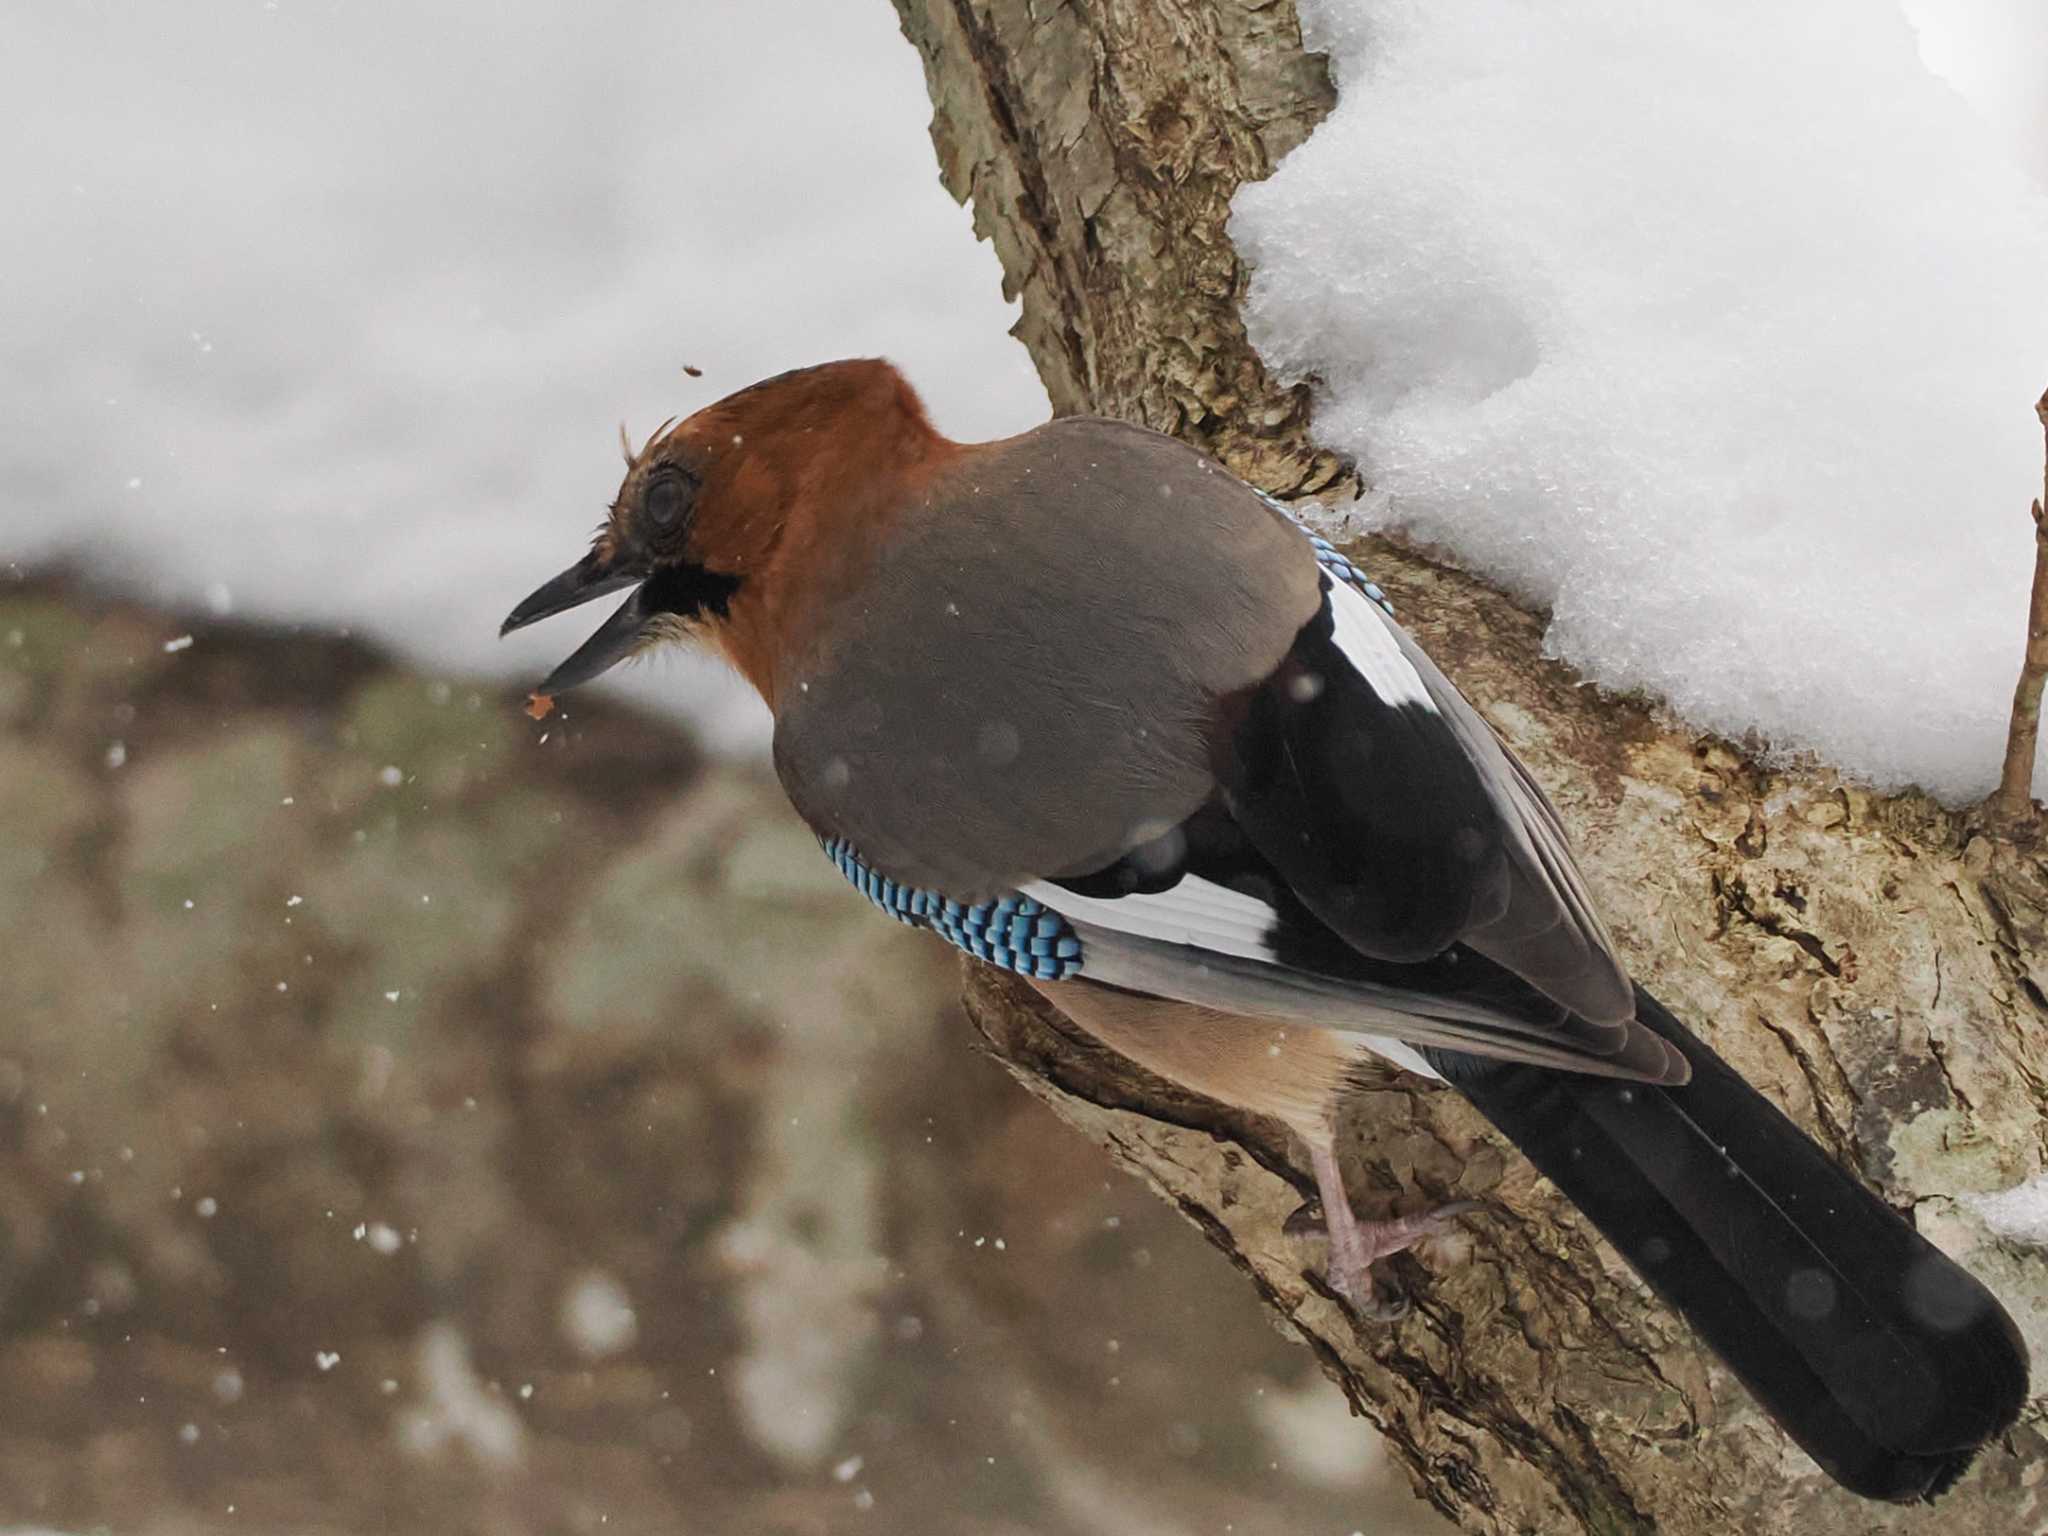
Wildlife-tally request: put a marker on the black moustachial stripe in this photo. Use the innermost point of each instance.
(687, 589)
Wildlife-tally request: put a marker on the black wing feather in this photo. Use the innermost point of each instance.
(1297, 966)
(1404, 822)
(1370, 810)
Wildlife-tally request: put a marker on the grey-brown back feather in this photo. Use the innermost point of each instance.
(1024, 684)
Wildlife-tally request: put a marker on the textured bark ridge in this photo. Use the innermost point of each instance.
(1876, 964)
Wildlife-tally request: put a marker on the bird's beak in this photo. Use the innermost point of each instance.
(616, 639)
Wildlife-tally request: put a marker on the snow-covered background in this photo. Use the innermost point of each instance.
(1716, 328)
(330, 311)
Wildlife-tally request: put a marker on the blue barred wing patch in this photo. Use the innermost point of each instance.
(1343, 570)
(1329, 559)
(1014, 932)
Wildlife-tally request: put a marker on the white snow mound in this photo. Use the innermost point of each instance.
(1715, 328)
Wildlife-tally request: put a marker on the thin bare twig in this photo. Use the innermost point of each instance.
(2012, 806)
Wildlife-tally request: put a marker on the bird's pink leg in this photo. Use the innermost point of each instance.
(1355, 1244)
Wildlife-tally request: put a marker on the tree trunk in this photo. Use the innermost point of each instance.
(1875, 964)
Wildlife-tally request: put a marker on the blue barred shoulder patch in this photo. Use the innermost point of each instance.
(1014, 932)
(1343, 570)
(1328, 557)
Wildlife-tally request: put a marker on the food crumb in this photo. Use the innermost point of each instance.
(539, 705)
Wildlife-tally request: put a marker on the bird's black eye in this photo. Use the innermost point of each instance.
(666, 497)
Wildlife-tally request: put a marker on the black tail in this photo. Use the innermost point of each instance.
(1887, 1362)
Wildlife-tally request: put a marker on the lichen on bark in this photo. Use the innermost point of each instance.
(1876, 964)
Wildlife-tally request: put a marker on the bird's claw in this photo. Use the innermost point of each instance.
(1356, 1247)
(1374, 1298)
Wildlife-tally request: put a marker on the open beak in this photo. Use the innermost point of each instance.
(616, 639)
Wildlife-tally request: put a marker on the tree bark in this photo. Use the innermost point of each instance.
(1876, 964)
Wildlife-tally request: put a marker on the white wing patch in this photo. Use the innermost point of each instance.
(1361, 632)
(1195, 912)
(1401, 1054)
(1201, 917)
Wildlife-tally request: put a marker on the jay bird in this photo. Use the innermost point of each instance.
(1096, 711)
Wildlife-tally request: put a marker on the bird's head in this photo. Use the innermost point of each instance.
(729, 519)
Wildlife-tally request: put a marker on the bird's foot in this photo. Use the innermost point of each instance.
(1356, 1245)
